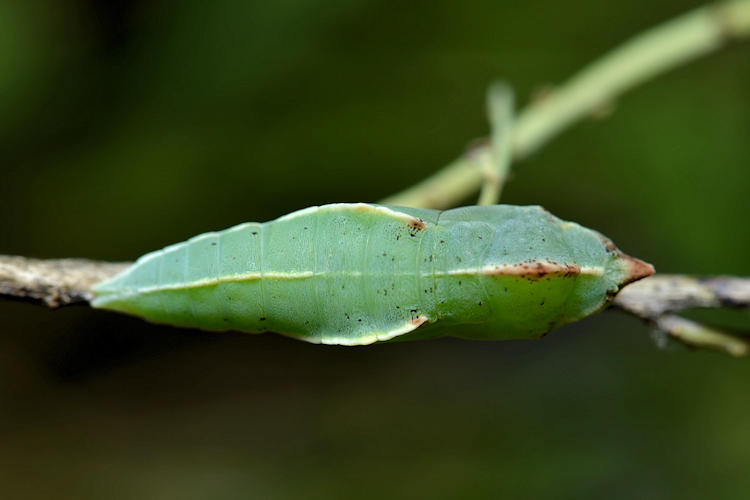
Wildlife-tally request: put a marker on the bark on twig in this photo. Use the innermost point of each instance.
(663, 293)
(655, 299)
(56, 282)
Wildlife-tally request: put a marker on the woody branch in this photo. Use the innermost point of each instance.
(58, 282)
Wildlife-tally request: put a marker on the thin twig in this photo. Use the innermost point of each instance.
(666, 293)
(496, 164)
(55, 282)
(696, 334)
(644, 57)
(655, 299)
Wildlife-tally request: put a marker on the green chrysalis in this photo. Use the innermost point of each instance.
(359, 273)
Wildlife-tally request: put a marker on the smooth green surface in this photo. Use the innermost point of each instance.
(123, 134)
(356, 274)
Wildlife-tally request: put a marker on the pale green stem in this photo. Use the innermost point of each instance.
(496, 164)
(649, 54)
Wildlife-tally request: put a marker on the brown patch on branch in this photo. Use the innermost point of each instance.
(56, 282)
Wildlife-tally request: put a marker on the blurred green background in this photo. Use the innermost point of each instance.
(129, 125)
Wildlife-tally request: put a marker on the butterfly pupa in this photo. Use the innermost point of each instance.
(356, 273)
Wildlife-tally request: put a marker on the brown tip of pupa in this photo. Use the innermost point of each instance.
(635, 269)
